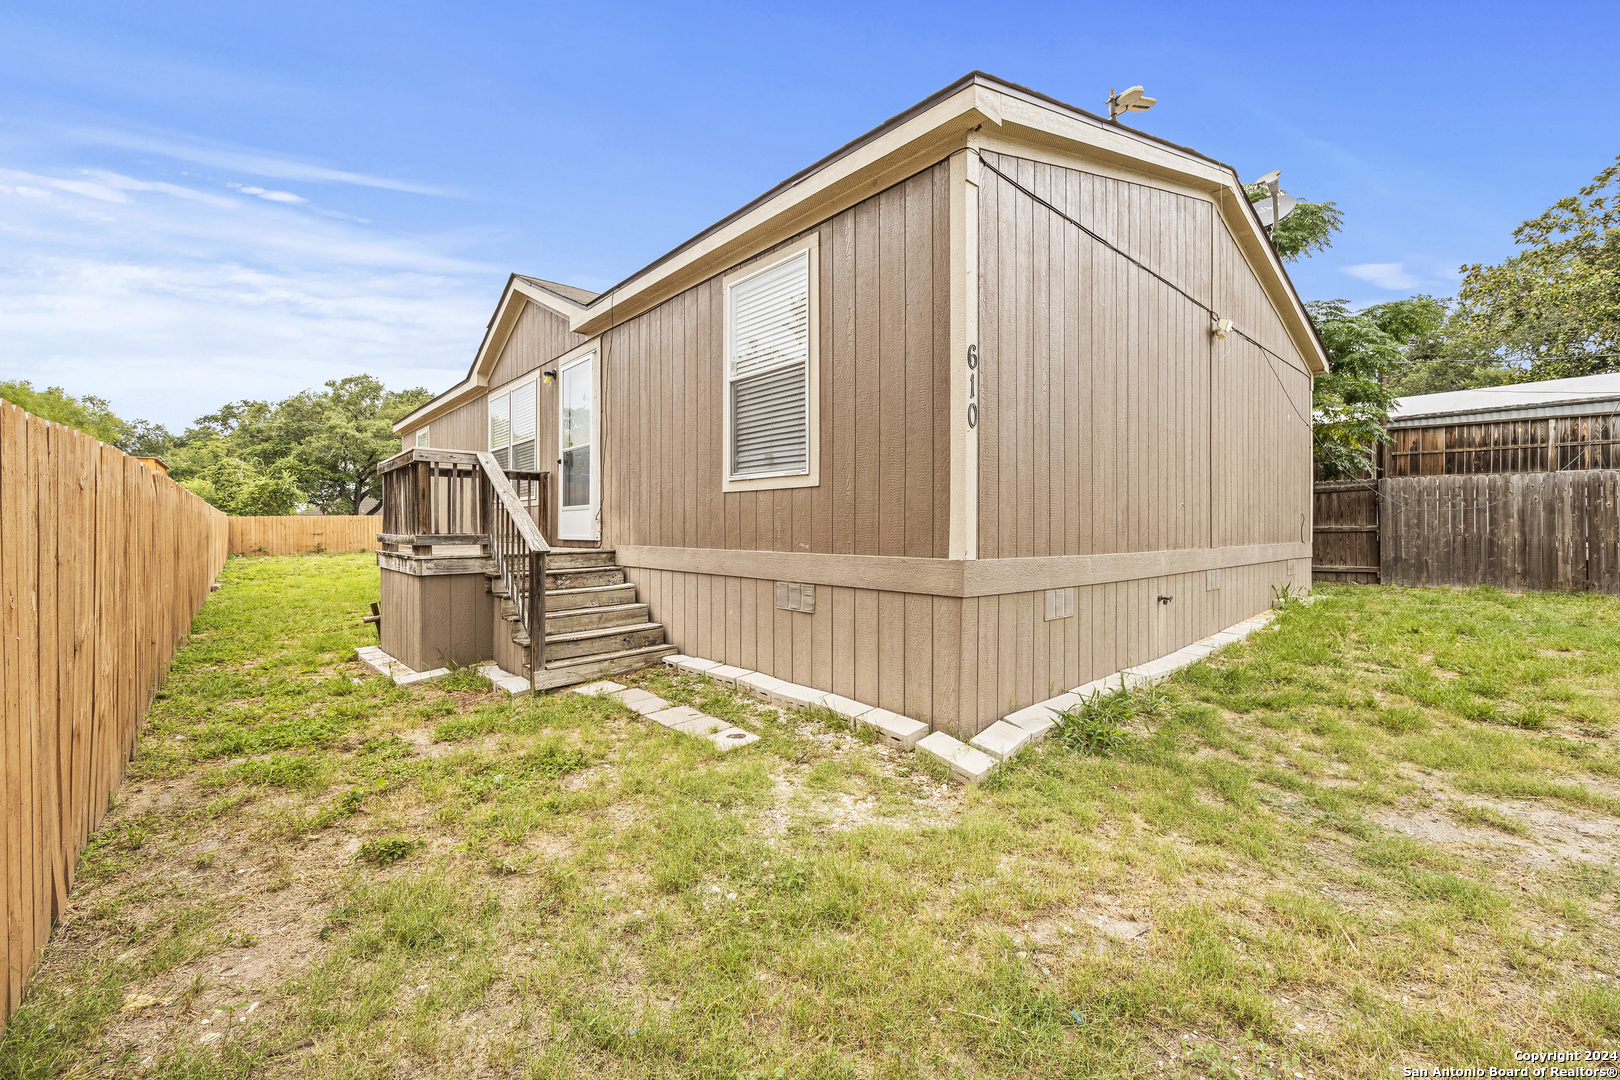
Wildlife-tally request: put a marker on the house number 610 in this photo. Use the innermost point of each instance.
(973, 389)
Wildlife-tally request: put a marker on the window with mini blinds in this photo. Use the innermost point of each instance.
(769, 346)
(511, 428)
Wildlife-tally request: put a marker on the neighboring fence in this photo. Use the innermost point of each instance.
(1344, 538)
(1546, 444)
(102, 566)
(300, 535)
(1556, 530)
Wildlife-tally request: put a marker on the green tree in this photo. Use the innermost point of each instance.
(89, 414)
(329, 441)
(238, 486)
(1552, 310)
(1309, 228)
(1351, 402)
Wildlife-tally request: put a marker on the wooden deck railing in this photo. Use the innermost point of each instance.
(103, 563)
(435, 497)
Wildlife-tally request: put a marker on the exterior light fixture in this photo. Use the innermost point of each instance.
(1222, 328)
(549, 376)
(1131, 100)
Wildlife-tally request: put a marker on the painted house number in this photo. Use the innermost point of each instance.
(973, 387)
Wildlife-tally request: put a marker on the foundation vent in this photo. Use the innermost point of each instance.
(1059, 604)
(792, 596)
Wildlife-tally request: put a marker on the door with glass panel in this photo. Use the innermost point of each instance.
(579, 483)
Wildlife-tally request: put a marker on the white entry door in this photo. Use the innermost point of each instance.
(579, 466)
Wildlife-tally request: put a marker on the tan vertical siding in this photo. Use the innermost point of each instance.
(1100, 428)
(884, 320)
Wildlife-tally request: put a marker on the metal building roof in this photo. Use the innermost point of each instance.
(1518, 401)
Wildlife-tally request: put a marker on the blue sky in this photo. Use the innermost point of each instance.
(200, 203)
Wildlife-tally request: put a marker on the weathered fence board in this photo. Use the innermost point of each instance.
(102, 566)
(302, 534)
(1546, 530)
(1345, 535)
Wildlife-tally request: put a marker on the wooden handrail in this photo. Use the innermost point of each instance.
(511, 503)
(428, 453)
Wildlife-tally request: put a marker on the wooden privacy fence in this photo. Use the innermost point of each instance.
(1554, 530)
(1344, 538)
(102, 566)
(303, 534)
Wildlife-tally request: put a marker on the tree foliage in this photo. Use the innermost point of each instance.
(1552, 310)
(321, 447)
(89, 414)
(1308, 229)
(1351, 402)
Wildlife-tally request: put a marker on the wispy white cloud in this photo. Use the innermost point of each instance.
(248, 160)
(1385, 275)
(169, 299)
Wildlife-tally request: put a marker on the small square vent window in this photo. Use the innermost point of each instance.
(792, 596)
(1059, 604)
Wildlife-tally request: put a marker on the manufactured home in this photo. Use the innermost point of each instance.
(998, 398)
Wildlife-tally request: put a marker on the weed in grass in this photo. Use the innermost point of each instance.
(1096, 727)
(383, 850)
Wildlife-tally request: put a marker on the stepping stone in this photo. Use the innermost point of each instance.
(788, 695)
(701, 724)
(596, 688)
(1001, 740)
(757, 685)
(640, 700)
(966, 764)
(727, 674)
(732, 737)
(896, 730)
(674, 716)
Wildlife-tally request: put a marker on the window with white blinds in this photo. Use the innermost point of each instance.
(769, 344)
(511, 428)
(422, 437)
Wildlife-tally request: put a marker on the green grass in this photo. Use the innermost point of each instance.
(1262, 875)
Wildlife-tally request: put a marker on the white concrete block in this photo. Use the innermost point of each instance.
(894, 729)
(1001, 740)
(732, 737)
(757, 685)
(420, 676)
(674, 716)
(788, 695)
(512, 685)
(594, 689)
(374, 660)
(848, 708)
(1038, 720)
(727, 674)
(696, 665)
(677, 660)
(640, 700)
(966, 763)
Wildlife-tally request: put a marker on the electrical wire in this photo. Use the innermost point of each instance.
(1264, 351)
(1146, 269)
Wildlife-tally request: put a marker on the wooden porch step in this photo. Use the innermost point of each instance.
(590, 668)
(579, 577)
(603, 639)
(573, 558)
(590, 596)
(567, 622)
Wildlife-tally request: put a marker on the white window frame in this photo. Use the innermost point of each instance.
(505, 390)
(811, 476)
(422, 436)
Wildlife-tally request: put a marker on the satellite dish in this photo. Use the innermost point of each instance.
(1285, 206)
(1269, 181)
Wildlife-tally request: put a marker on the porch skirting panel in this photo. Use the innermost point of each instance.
(956, 662)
